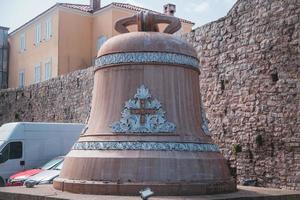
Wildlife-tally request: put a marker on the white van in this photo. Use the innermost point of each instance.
(26, 145)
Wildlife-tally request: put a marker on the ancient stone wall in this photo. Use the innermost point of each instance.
(250, 82)
(62, 99)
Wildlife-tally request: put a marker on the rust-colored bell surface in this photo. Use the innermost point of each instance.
(145, 126)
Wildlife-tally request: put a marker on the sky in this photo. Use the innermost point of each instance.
(14, 13)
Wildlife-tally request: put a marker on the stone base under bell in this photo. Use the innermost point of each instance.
(132, 189)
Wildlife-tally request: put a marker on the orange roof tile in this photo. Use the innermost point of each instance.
(81, 7)
(87, 8)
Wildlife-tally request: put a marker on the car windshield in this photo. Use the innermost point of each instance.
(52, 163)
(59, 167)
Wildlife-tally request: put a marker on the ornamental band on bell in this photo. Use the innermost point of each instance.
(143, 114)
(145, 146)
(146, 57)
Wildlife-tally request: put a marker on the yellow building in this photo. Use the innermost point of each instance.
(66, 37)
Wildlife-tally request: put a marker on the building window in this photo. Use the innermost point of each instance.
(101, 41)
(48, 29)
(38, 31)
(21, 79)
(48, 70)
(37, 73)
(22, 42)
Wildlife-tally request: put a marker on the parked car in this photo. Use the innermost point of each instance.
(27, 145)
(44, 177)
(19, 178)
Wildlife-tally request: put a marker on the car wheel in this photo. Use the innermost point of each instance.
(2, 183)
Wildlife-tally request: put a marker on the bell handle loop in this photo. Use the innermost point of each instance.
(148, 22)
(174, 23)
(121, 24)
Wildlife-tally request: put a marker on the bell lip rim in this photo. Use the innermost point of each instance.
(229, 183)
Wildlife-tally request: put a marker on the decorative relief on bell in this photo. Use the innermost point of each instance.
(143, 114)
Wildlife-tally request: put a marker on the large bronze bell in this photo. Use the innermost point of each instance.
(145, 125)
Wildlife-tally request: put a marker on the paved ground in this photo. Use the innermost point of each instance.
(46, 192)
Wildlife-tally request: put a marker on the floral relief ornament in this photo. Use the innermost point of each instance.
(143, 114)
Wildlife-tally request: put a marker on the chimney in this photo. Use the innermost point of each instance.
(95, 4)
(169, 9)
